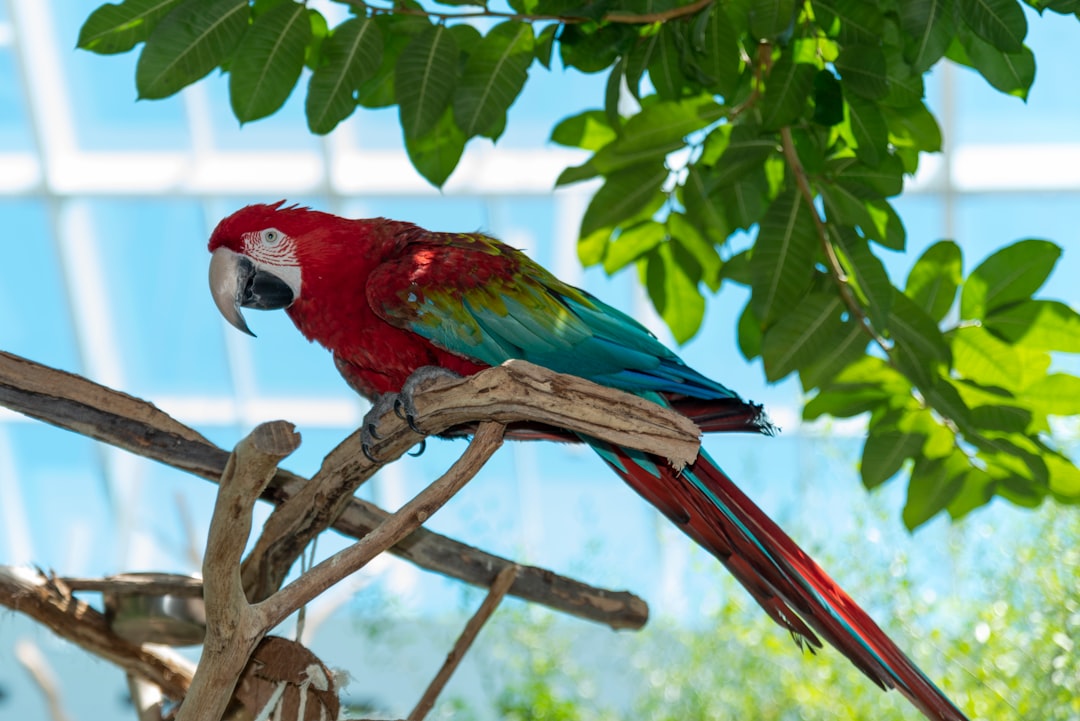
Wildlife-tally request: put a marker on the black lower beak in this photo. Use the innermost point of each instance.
(262, 290)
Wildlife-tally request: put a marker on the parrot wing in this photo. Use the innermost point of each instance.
(474, 296)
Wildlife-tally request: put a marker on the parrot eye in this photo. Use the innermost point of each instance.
(271, 236)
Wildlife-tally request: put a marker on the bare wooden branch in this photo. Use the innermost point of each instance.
(233, 628)
(34, 594)
(75, 403)
(495, 595)
(400, 524)
(514, 391)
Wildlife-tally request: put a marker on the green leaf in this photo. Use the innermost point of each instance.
(769, 19)
(885, 451)
(913, 127)
(1003, 418)
(828, 99)
(117, 28)
(847, 347)
(862, 70)
(745, 201)
(425, 79)
(1038, 324)
(1011, 73)
(980, 356)
(1057, 394)
(934, 278)
(629, 194)
(749, 333)
(782, 263)
(656, 131)
(975, 491)
(632, 243)
(862, 385)
(746, 151)
(1009, 275)
(934, 483)
(397, 32)
(268, 61)
(875, 218)
(919, 345)
(1064, 477)
(352, 54)
(188, 43)
(436, 152)
(802, 335)
(494, 76)
(882, 181)
(544, 43)
(665, 65)
(852, 22)
(720, 57)
(868, 130)
(928, 30)
(688, 242)
(701, 208)
(674, 292)
(588, 130)
(786, 92)
(866, 274)
(999, 22)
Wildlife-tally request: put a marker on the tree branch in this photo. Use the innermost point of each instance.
(77, 404)
(48, 602)
(623, 18)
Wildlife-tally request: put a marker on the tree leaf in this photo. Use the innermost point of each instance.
(885, 451)
(866, 273)
(745, 201)
(674, 292)
(268, 61)
(189, 42)
(1037, 324)
(802, 335)
(117, 28)
(852, 22)
(1057, 394)
(786, 92)
(425, 79)
(875, 218)
(928, 30)
(665, 65)
(980, 356)
(436, 152)
(701, 207)
(632, 243)
(494, 76)
(1011, 274)
(397, 32)
(588, 130)
(862, 70)
(629, 194)
(847, 347)
(687, 241)
(719, 58)
(1011, 73)
(999, 22)
(352, 54)
(933, 484)
(769, 19)
(659, 129)
(934, 278)
(868, 130)
(745, 151)
(919, 345)
(782, 263)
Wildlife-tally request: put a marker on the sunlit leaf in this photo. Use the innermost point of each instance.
(674, 293)
(632, 243)
(629, 194)
(868, 130)
(933, 485)
(588, 130)
(1057, 394)
(1011, 274)
(884, 453)
(1038, 324)
(934, 278)
(866, 273)
(920, 347)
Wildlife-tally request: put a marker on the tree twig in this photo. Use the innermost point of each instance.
(233, 627)
(620, 17)
(77, 404)
(494, 597)
(45, 600)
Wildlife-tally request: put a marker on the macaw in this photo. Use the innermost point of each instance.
(388, 298)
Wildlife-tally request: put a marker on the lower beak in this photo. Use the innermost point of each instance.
(235, 282)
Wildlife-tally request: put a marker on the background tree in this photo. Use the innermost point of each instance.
(793, 121)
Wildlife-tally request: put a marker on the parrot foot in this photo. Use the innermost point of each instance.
(403, 406)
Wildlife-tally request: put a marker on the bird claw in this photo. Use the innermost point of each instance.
(403, 407)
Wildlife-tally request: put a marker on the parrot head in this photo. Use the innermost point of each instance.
(256, 259)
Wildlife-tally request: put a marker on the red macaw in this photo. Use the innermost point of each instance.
(388, 298)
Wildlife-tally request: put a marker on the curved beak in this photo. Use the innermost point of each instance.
(236, 282)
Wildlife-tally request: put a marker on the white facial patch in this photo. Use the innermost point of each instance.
(274, 251)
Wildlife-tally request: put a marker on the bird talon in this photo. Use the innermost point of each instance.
(420, 451)
(399, 409)
(372, 432)
(365, 448)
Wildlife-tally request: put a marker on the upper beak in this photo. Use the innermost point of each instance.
(236, 282)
